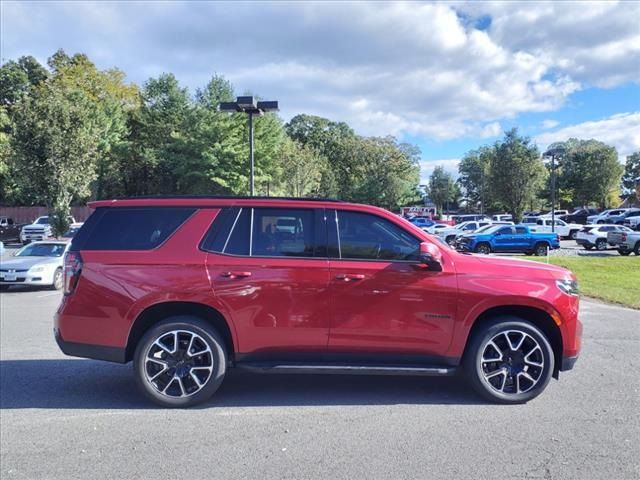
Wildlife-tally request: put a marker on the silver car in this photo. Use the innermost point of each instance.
(38, 264)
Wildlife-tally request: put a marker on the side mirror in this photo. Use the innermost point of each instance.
(431, 256)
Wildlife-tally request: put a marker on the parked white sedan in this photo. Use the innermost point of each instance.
(39, 263)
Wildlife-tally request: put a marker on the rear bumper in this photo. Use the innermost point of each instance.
(568, 363)
(85, 350)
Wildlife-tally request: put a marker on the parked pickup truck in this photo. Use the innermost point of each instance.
(626, 242)
(501, 238)
(563, 229)
(9, 230)
(39, 230)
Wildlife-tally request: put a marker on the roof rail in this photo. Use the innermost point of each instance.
(227, 197)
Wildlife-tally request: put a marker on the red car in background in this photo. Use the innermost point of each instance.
(189, 287)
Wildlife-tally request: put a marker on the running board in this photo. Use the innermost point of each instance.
(347, 369)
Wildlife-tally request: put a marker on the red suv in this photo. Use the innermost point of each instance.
(188, 287)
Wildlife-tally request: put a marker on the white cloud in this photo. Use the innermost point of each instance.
(548, 124)
(385, 68)
(427, 167)
(621, 130)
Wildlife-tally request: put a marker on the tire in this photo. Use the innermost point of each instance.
(4, 288)
(533, 357)
(588, 247)
(623, 252)
(451, 240)
(601, 244)
(540, 249)
(573, 234)
(58, 280)
(483, 248)
(187, 379)
(636, 250)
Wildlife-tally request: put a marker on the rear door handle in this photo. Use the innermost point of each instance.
(236, 274)
(349, 277)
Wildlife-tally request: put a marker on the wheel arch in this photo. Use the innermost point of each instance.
(159, 311)
(539, 317)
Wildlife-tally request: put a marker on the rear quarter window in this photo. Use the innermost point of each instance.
(135, 228)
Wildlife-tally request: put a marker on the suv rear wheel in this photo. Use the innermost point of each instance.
(180, 362)
(601, 244)
(509, 361)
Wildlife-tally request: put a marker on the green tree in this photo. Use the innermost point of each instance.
(114, 100)
(55, 145)
(516, 173)
(388, 173)
(302, 167)
(591, 170)
(442, 188)
(474, 177)
(631, 172)
(18, 77)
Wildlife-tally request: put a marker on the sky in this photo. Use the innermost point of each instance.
(448, 76)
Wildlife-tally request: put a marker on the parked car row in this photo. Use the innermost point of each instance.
(40, 229)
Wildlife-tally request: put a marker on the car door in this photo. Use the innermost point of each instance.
(270, 271)
(503, 240)
(383, 299)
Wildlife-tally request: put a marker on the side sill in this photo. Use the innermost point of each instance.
(347, 369)
(86, 350)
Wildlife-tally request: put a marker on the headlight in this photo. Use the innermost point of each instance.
(570, 287)
(36, 269)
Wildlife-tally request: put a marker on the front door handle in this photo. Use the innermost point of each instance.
(349, 277)
(236, 274)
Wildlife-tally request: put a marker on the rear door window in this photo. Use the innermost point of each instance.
(124, 228)
(280, 232)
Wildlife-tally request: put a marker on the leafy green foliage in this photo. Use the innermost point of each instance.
(55, 146)
(631, 172)
(591, 170)
(516, 173)
(442, 188)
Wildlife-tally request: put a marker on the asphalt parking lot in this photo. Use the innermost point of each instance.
(64, 418)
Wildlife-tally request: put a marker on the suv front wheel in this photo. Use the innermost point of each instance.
(180, 362)
(509, 361)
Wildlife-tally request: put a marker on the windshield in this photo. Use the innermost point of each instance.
(71, 232)
(491, 228)
(42, 250)
(42, 221)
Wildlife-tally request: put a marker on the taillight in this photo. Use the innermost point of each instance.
(72, 270)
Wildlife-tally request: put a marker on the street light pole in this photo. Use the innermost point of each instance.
(553, 152)
(251, 107)
(553, 193)
(251, 180)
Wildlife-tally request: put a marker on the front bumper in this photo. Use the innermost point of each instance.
(26, 278)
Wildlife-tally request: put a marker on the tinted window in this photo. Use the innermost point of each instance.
(135, 228)
(238, 242)
(280, 232)
(218, 233)
(505, 231)
(365, 236)
(520, 230)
